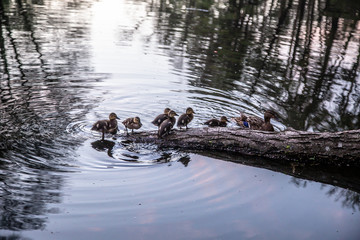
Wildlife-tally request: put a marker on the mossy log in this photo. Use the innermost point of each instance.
(332, 148)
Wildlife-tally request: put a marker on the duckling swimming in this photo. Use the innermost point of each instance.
(132, 123)
(167, 124)
(185, 118)
(256, 123)
(160, 118)
(107, 126)
(217, 123)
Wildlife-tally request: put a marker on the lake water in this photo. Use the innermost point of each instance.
(67, 63)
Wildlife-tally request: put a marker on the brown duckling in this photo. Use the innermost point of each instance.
(167, 125)
(160, 118)
(132, 123)
(185, 118)
(242, 121)
(217, 123)
(256, 123)
(106, 126)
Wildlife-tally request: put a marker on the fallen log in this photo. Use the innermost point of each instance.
(331, 148)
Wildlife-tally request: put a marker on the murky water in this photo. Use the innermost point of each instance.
(65, 64)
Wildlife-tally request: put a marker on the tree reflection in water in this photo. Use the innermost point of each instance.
(348, 198)
(41, 83)
(299, 57)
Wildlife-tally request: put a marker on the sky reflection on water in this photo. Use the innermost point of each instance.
(207, 199)
(66, 64)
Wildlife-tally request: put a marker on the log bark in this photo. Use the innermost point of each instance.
(331, 148)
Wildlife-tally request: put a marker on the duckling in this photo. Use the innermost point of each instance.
(106, 126)
(217, 123)
(256, 123)
(185, 118)
(167, 124)
(160, 118)
(132, 123)
(242, 121)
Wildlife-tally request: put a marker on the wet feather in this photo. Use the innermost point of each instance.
(217, 123)
(132, 123)
(106, 126)
(185, 118)
(161, 117)
(166, 126)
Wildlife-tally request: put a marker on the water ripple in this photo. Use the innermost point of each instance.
(80, 128)
(119, 151)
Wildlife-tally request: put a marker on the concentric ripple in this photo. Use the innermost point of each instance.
(80, 129)
(200, 189)
(116, 151)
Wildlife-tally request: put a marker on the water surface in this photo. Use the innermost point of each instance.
(66, 64)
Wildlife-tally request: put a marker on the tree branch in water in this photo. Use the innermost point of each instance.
(333, 148)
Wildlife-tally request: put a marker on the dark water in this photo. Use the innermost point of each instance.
(65, 64)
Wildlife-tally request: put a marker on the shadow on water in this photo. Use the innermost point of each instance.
(342, 183)
(104, 145)
(43, 88)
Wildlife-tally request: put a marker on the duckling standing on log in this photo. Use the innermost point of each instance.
(185, 118)
(242, 121)
(167, 125)
(256, 123)
(107, 126)
(160, 118)
(217, 123)
(132, 123)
